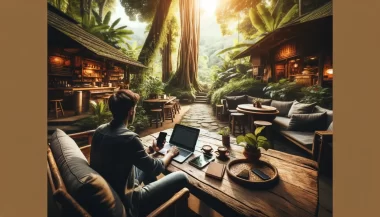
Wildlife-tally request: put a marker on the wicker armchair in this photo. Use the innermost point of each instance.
(70, 207)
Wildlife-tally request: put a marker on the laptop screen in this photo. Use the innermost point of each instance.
(184, 137)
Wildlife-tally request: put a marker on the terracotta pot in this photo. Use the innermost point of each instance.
(226, 141)
(252, 155)
(258, 104)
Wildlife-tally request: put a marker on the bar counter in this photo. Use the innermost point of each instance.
(81, 88)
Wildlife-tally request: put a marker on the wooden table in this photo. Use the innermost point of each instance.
(257, 115)
(162, 103)
(295, 194)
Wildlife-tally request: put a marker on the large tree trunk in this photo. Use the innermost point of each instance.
(167, 58)
(187, 71)
(154, 35)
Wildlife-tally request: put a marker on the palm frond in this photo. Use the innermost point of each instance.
(256, 21)
(98, 19)
(292, 13)
(107, 18)
(265, 16)
(115, 23)
(232, 48)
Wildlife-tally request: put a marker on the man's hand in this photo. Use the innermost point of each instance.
(156, 147)
(173, 151)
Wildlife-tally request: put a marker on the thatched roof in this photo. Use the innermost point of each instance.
(89, 41)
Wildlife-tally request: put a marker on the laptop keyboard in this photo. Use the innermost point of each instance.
(183, 152)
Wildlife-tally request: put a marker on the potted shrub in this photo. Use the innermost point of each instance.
(252, 144)
(225, 132)
(153, 87)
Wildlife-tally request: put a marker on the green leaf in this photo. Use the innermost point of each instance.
(240, 139)
(261, 139)
(266, 17)
(256, 21)
(115, 23)
(264, 144)
(97, 17)
(293, 12)
(258, 130)
(107, 18)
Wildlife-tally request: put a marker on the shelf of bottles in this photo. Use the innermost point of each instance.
(88, 71)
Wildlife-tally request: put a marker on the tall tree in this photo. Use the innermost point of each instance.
(187, 71)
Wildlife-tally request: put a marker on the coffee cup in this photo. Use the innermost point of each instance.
(222, 152)
(207, 149)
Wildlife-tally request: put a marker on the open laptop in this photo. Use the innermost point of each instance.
(185, 138)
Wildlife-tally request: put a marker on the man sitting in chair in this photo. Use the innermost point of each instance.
(119, 156)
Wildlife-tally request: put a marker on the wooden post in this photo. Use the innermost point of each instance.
(321, 62)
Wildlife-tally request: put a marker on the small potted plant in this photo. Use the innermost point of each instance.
(153, 87)
(225, 132)
(252, 144)
(257, 103)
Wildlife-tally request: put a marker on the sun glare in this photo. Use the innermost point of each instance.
(208, 6)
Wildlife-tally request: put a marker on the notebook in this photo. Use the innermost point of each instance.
(216, 170)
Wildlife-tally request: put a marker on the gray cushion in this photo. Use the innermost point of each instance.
(263, 101)
(329, 114)
(304, 138)
(234, 101)
(301, 108)
(307, 122)
(281, 122)
(90, 190)
(282, 106)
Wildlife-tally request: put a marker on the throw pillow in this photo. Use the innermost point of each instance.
(301, 108)
(282, 106)
(263, 101)
(234, 101)
(307, 122)
(329, 114)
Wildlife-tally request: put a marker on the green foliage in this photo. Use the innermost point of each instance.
(283, 90)
(99, 115)
(151, 85)
(141, 121)
(248, 86)
(317, 94)
(225, 131)
(252, 141)
(180, 93)
(143, 10)
(106, 31)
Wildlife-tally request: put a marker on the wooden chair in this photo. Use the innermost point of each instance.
(69, 207)
(322, 151)
(155, 117)
(57, 107)
(218, 111)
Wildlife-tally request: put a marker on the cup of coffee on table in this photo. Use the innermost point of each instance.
(222, 152)
(207, 149)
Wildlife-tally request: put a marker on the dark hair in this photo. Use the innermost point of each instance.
(121, 102)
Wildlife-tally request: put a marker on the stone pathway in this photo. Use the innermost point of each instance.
(200, 115)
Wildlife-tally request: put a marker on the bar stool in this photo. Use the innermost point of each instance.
(237, 119)
(218, 111)
(174, 104)
(56, 108)
(169, 114)
(267, 130)
(155, 117)
(230, 111)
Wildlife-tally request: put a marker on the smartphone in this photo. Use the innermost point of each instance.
(260, 174)
(161, 138)
(201, 161)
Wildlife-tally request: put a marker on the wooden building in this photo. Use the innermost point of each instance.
(300, 51)
(80, 65)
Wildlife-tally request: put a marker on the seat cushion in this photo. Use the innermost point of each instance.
(83, 183)
(304, 138)
(329, 114)
(282, 106)
(330, 128)
(234, 101)
(307, 122)
(301, 108)
(263, 101)
(281, 123)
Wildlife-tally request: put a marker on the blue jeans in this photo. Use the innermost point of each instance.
(156, 192)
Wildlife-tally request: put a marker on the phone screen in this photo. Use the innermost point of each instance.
(201, 160)
(161, 138)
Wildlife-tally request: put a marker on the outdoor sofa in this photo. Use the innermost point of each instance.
(81, 191)
(306, 125)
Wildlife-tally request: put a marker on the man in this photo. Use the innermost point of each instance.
(119, 156)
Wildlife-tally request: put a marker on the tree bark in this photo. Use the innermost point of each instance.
(167, 58)
(154, 35)
(187, 71)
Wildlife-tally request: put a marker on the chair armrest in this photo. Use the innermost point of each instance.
(321, 138)
(182, 195)
(86, 134)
